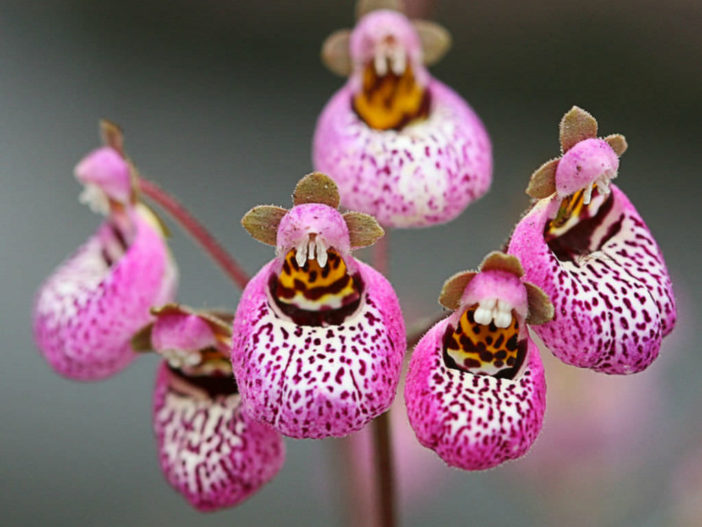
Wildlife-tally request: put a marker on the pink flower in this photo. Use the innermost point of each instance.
(475, 391)
(87, 311)
(318, 335)
(400, 144)
(209, 450)
(586, 246)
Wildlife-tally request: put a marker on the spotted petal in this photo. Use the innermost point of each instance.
(607, 280)
(209, 450)
(86, 313)
(317, 381)
(473, 421)
(426, 173)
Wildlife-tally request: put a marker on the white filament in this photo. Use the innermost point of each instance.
(311, 248)
(95, 198)
(321, 252)
(492, 309)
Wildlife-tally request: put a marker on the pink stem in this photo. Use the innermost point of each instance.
(198, 231)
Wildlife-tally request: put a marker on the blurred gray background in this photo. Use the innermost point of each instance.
(219, 100)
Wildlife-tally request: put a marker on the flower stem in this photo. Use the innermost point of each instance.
(384, 470)
(381, 426)
(196, 229)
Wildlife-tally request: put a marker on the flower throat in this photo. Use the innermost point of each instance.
(484, 349)
(313, 295)
(391, 101)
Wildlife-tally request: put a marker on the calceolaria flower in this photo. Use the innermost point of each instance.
(87, 311)
(475, 390)
(209, 450)
(318, 335)
(401, 145)
(586, 246)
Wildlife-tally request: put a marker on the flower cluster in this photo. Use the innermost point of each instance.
(316, 346)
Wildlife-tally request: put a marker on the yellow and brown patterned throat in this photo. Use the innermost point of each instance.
(392, 101)
(314, 295)
(570, 210)
(484, 350)
(213, 376)
(572, 231)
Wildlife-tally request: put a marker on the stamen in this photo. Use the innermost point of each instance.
(587, 195)
(483, 315)
(178, 358)
(321, 252)
(603, 183)
(311, 249)
(95, 198)
(503, 314)
(492, 309)
(399, 61)
(301, 253)
(381, 65)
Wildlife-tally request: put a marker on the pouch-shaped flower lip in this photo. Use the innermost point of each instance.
(585, 244)
(87, 311)
(401, 145)
(475, 389)
(318, 335)
(209, 450)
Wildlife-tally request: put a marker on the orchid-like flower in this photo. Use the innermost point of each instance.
(209, 450)
(318, 335)
(401, 145)
(90, 307)
(586, 246)
(475, 390)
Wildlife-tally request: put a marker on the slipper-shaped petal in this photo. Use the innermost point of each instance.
(475, 390)
(209, 450)
(88, 310)
(607, 280)
(317, 381)
(588, 248)
(401, 145)
(473, 421)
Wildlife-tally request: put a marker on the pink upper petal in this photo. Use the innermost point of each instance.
(209, 450)
(583, 164)
(318, 381)
(473, 421)
(313, 218)
(181, 332)
(86, 312)
(107, 169)
(614, 301)
(375, 28)
(424, 174)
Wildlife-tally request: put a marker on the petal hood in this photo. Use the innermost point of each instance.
(473, 422)
(317, 381)
(608, 283)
